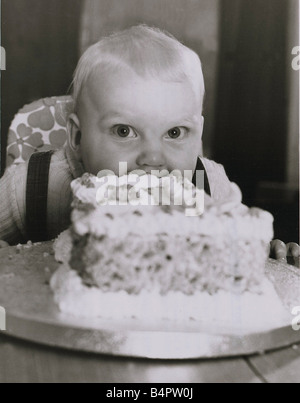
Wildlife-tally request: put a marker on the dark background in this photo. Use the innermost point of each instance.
(249, 134)
(41, 42)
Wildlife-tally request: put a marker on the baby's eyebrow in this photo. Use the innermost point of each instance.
(189, 119)
(130, 117)
(111, 114)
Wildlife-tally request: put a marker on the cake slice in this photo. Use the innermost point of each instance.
(144, 256)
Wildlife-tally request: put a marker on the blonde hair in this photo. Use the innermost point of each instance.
(150, 52)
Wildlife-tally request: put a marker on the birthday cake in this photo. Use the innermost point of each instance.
(141, 247)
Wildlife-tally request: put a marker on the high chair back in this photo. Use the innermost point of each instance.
(39, 126)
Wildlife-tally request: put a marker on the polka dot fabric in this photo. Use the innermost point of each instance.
(39, 126)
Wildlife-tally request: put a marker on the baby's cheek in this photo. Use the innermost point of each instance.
(101, 159)
(90, 159)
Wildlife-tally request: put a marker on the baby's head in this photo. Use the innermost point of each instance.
(138, 99)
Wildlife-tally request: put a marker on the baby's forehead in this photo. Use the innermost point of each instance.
(102, 82)
(147, 51)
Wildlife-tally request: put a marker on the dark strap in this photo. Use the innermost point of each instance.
(37, 195)
(200, 167)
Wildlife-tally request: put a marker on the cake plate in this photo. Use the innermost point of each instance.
(31, 314)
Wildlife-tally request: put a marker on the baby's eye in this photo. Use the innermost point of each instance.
(124, 131)
(177, 132)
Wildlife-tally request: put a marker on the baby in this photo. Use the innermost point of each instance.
(138, 99)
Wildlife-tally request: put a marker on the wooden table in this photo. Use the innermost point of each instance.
(24, 362)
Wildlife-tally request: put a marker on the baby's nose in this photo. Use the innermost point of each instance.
(151, 156)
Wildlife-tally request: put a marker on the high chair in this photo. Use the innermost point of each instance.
(39, 126)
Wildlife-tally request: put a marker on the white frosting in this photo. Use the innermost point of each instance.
(229, 217)
(63, 246)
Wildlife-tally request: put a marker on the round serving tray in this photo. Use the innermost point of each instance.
(31, 314)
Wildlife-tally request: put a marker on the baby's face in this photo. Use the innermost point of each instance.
(147, 123)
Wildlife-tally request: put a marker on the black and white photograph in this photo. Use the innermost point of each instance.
(149, 194)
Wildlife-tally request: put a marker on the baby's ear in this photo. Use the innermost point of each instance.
(74, 134)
